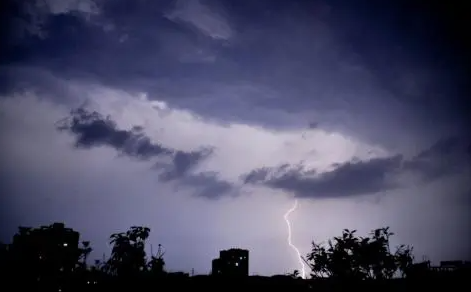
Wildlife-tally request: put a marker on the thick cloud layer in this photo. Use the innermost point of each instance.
(347, 179)
(359, 177)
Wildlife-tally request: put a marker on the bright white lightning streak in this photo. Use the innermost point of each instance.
(290, 243)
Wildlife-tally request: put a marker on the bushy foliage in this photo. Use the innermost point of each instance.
(352, 257)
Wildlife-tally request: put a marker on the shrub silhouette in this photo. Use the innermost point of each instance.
(358, 258)
(128, 256)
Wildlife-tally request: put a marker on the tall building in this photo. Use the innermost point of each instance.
(46, 254)
(231, 262)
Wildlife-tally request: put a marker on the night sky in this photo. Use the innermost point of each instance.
(205, 120)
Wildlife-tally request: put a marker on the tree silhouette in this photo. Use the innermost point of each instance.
(52, 258)
(352, 257)
(85, 251)
(156, 264)
(128, 256)
(404, 259)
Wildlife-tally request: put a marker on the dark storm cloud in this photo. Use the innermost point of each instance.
(182, 52)
(91, 129)
(24, 21)
(347, 179)
(138, 33)
(183, 162)
(417, 51)
(446, 156)
(358, 177)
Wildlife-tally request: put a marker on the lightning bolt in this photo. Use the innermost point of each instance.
(290, 243)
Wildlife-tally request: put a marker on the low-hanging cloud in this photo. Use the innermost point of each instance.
(92, 129)
(347, 179)
(350, 178)
(359, 177)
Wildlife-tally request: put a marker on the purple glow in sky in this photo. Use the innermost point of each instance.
(213, 117)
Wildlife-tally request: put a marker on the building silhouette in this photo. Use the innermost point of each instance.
(231, 262)
(425, 269)
(48, 254)
(452, 266)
